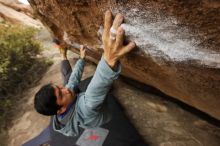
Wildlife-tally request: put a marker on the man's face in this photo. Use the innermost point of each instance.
(64, 97)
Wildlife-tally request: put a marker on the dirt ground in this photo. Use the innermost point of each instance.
(161, 122)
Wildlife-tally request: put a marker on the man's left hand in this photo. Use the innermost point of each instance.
(82, 52)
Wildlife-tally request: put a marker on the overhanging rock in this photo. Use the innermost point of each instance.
(178, 42)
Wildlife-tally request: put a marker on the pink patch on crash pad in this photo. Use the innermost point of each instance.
(93, 137)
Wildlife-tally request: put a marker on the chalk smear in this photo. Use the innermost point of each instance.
(164, 39)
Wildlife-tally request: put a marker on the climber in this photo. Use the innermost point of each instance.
(70, 109)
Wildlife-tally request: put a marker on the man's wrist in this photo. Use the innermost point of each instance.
(111, 63)
(81, 57)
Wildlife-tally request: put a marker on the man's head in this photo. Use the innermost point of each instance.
(52, 99)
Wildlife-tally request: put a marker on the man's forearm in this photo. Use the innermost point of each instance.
(100, 84)
(76, 74)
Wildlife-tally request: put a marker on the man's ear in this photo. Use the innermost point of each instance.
(61, 110)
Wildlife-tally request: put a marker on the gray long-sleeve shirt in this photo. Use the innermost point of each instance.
(89, 110)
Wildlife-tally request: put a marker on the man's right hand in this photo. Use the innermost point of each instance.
(114, 48)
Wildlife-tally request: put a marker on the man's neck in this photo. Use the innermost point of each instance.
(68, 108)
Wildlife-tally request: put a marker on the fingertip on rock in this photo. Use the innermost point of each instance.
(108, 12)
(133, 44)
(121, 30)
(120, 16)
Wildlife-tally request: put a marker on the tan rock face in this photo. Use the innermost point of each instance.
(178, 42)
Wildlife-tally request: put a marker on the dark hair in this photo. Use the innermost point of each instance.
(45, 101)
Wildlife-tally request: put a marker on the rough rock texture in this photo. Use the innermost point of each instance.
(178, 42)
